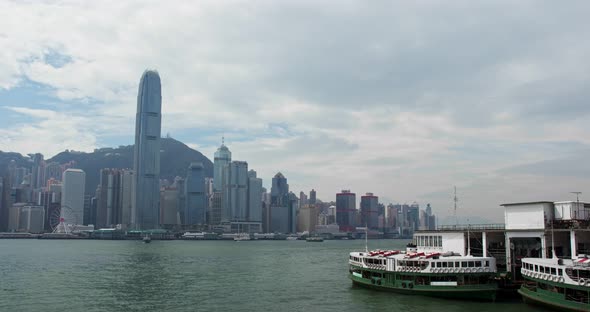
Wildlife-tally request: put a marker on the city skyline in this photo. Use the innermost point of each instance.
(405, 102)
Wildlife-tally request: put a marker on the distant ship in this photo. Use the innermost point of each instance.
(314, 239)
(147, 239)
(562, 284)
(242, 237)
(419, 272)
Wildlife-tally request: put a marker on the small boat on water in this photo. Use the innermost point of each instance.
(242, 237)
(147, 239)
(314, 239)
(562, 284)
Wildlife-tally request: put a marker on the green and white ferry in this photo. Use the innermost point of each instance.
(424, 271)
(562, 284)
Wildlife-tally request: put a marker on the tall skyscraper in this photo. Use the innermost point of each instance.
(370, 211)
(236, 191)
(254, 197)
(221, 159)
(196, 201)
(346, 210)
(114, 200)
(312, 197)
(146, 156)
(53, 170)
(283, 213)
(279, 189)
(72, 196)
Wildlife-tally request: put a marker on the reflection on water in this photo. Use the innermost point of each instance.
(37, 275)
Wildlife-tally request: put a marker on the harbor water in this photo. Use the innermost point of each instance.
(93, 275)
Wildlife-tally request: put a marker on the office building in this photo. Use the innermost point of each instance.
(254, 197)
(196, 201)
(221, 159)
(72, 196)
(346, 211)
(146, 154)
(370, 211)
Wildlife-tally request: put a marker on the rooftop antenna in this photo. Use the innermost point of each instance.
(468, 239)
(455, 199)
(553, 255)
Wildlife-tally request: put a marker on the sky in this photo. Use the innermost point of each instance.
(405, 99)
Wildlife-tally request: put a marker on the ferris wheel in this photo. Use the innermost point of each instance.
(61, 219)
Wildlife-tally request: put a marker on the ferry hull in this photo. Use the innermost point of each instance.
(476, 293)
(534, 298)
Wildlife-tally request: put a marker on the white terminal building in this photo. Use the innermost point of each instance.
(531, 230)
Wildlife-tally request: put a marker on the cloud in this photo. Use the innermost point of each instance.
(401, 99)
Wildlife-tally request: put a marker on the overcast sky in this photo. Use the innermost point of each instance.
(403, 99)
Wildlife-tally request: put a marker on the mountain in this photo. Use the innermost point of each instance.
(175, 158)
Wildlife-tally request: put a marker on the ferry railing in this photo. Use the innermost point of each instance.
(472, 227)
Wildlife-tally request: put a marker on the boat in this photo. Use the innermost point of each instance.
(562, 284)
(429, 273)
(314, 239)
(242, 237)
(147, 239)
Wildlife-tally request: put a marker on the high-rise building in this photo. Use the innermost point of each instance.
(31, 219)
(254, 197)
(302, 199)
(279, 190)
(346, 211)
(312, 197)
(236, 191)
(196, 201)
(146, 156)
(282, 212)
(114, 197)
(37, 171)
(370, 211)
(222, 158)
(4, 202)
(72, 196)
(169, 207)
(53, 170)
(307, 219)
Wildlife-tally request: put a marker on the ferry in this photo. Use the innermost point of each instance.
(242, 237)
(418, 272)
(557, 283)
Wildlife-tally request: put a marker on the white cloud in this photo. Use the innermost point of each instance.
(398, 99)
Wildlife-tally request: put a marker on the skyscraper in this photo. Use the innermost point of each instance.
(146, 156)
(283, 213)
(279, 190)
(236, 191)
(312, 197)
(222, 158)
(370, 211)
(254, 197)
(196, 201)
(346, 210)
(72, 196)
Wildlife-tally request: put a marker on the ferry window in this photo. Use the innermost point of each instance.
(463, 264)
(560, 272)
(553, 271)
(421, 240)
(438, 265)
(457, 264)
(478, 264)
(450, 264)
(487, 263)
(440, 241)
(536, 268)
(429, 240)
(471, 264)
(444, 264)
